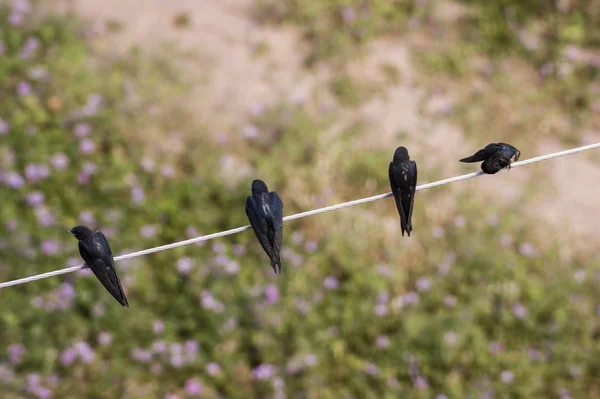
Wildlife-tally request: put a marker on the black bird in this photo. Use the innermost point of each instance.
(495, 156)
(265, 212)
(96, 253)
(403, 179)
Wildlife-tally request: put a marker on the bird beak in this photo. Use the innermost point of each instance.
(70, 232)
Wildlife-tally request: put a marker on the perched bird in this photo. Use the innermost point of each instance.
(265, 212)
(96, 253)
(495, 156)
(403, 179)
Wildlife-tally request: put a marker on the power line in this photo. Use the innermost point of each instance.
(296, 216)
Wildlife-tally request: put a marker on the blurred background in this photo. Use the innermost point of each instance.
(148, 119)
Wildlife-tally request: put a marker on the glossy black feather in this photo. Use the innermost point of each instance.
(265, 213)
(403, 181)
(96, 253)
(495, 157)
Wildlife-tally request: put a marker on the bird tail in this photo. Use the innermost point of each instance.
(276, 265)
(479, 156)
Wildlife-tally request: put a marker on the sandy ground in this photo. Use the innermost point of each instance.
(226, 41)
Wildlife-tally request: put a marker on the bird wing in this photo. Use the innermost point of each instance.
(396, 175)
(413, 186)
(259, 224)
(277, 221)
(483, 154)
(98, 257)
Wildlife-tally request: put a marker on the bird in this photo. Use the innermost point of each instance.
(495, 157)
(96, 253)
(265, 212)
(403, 180)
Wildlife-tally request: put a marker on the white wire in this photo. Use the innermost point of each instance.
(296, 216)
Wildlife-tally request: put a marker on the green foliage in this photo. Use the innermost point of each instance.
(460, 308)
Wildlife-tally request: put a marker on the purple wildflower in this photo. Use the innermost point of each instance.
(423, 284)
(184, 265)
(519, 310)
(87, 217)
(141, 355)
(44, 216)
(450, 338)
(4, 127)
(104, 338)
(158, 327)
(35, 172)
(380, 310)
(496, 347)
(271, 293)
(311, 246)
(450, 301)
(35, 198)
(213, 369)
(159, 346)
(15, 353)
(348, 15)
(193, 387)
(506, 240)
(37, 73)
(60, 161)
(264, 372)
(526, 249)
(147, 164)
(29, 48)
(421, 383)
(50, 247)
(382, 342)
(82, 130)
(331, 283)
(371, 369)
(87, 146)
(92, 106)
(23, 89)
(239, 249)
(148, 231)
(507, 376)
(85, 351)
(297, 238)
(167, 171)
(68, 356)
(16, 18)
(460, 221)
(251, 132)
(13, 180)
(137, 195)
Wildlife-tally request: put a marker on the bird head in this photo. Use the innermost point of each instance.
(259, 187)
(401, 154)
(80, 232)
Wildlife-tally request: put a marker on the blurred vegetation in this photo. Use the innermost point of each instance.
(471, 306)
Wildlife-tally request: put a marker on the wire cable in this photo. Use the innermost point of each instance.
(296, 216)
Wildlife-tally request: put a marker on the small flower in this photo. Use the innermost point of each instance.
(579, 276)
(85, 352)
(68, 356)
(506, 241)
(218, 247)
(251, 132)
(167, 171)
(158, 327)
(50, 247)
(348, 15)
(13, 180)
(450, 338)
(519, 310)
(82, 130)
(507, 376)
(239, 249)
(496, 347)
(137, 195)
(23, 89)
(35, 198)
(193, 387)
(60, 161)
(141, 355)
(37, 73)
(331, 283)
(382, 342)
(264, 372)
(272, 293)
(4, 127)
(297, 238)
(423, 284)
(44, 216)
(371, 369)
(184, 265)
(29, 48)
(380, 310)
(104, 338)
(526, 249)
(311, 246)
(87, 146)
(213, 369)
(421, 383)
(159, 346)
(148, 231)
(15, 353)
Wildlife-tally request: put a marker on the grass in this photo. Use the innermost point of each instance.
(473, 303)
